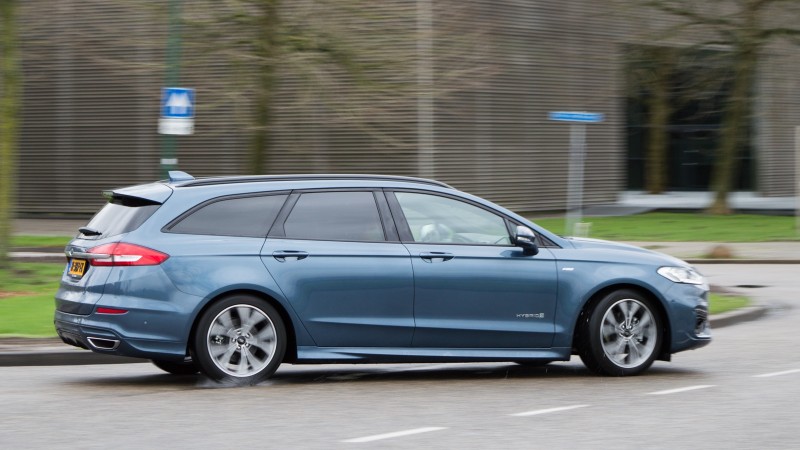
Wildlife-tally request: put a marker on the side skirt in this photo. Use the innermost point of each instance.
(356, 355)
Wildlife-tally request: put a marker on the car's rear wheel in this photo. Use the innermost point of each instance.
(621, 335)
(185, 367)
(240, 339)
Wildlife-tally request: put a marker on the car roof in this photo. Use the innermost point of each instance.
(183, 179)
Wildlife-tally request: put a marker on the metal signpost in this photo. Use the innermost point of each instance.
(797, 178)
(577, 157)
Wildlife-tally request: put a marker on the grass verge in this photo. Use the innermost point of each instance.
(26, 299)
(677, 227)
(720, 303)
(39, 241)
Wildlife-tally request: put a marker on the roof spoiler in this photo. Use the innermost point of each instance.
(141, 195)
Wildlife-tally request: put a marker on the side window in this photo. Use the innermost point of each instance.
(444, 220)
(242, 216)
(335, 216)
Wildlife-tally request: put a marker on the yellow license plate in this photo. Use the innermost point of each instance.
(77, 268)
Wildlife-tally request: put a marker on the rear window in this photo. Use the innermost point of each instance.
(335, 216)
(238, 216)
(119, 216)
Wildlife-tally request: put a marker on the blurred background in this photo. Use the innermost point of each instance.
(697, 96)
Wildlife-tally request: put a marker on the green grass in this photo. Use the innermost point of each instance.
(678, 227)
(39, 241)
(29, 311)
(719, 303)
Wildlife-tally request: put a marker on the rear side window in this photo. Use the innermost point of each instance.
(335, 216)
(119, 216)
(242, 216)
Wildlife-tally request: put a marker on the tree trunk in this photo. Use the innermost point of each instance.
(658, 133)
(266, 49)
(734, 121)
(9, 107)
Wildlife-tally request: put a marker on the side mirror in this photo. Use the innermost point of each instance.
(526, 239)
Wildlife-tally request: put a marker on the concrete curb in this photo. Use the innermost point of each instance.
(740, 315)
(61, 358)
(51, 352)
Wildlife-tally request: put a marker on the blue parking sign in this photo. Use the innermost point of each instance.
(177, 103)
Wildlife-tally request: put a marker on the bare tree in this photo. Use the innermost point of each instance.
(745, 27)
(323, 46)
(9, 110)
(666, 79)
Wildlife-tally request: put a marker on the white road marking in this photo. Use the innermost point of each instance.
(378, 437)
(776, 374)
(675, 391)
(547, 411)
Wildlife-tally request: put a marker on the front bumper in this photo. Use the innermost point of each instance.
(688, 307)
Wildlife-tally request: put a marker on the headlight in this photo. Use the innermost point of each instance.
(681, 275)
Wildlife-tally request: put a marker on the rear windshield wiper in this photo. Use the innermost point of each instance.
(86, 231)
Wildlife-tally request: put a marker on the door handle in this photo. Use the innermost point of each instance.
(432, 257)
(283, 255)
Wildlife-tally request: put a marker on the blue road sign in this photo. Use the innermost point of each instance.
(574, 116)
(177, 103)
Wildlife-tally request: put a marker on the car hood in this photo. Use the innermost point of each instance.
(614, 250)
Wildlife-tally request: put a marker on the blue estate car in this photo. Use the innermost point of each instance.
(233, 276)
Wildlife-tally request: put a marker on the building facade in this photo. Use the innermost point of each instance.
(457, 91)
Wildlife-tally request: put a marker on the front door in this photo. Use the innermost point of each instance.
(472, 288)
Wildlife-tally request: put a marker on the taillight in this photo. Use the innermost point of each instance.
(122, 254)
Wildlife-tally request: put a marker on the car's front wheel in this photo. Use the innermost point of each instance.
(621, 335)
(240, 339)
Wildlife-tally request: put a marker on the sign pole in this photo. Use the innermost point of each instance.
(168, 159)
(577, 161)
(577, 158)
(797, 178)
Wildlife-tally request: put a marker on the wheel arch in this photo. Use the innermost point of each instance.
(664, 353)
(291, 335)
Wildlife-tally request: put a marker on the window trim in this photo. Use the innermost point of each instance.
(278, 230)
(174, 222)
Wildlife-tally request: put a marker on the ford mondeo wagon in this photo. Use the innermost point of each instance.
(234, 276)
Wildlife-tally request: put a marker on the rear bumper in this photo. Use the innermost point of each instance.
(88, 333)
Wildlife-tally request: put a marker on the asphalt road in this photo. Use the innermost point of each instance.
(742, 391)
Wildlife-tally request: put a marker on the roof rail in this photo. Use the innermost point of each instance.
(309, 177)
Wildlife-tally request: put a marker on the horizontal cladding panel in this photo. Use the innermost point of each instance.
(499, 68)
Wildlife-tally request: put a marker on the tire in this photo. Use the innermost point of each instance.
(185, 367)
(240, 339)
(621, 335)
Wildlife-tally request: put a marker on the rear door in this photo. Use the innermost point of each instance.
(337, 258)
